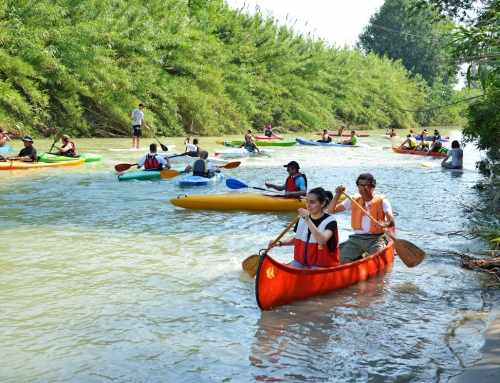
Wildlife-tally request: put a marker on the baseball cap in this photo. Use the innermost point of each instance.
(292, 164)
(28, 138)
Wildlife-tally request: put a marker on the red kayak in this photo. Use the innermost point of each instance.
(404, 151)
(269, 138)
(344, 134)
(278, 284)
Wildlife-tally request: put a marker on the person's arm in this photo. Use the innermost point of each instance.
(277, 187)
(448, 155)
(256, 147)
(389, 218)
(144, 123)
(401, 146)
(285, 242)
(187, 169)
(6, 136)
(164, 161)
(334, 207)
(63, 150)
(141, 162)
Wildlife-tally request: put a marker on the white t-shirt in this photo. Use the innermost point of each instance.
(159, 158)
(457, 156)
(191, 147)
(138, 116)
(210, 165)
(365, 221)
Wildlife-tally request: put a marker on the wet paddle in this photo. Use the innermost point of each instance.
(123, 167)
(410, 254)
(163, 147)
(174, 173)
(232, 183)
(251, 264)
(56, 140)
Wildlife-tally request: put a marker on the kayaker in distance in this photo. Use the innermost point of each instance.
(325, 137)
(424, 134)
(153, 161)
(249, 134)
(341, 130)
(194, 148)
(269, 132)
(68, 149)
(249, 145)
(28, 154)
(435, 146)
(368, 238)
(410, 143)
(437, 134)
(316, 234)
(138, 120)
(295, 184)
(457, 156)
(391, 134)
(4, 137)
(202, 167)
(351, 141)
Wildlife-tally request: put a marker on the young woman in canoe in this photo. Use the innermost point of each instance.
(316, 234)
(68, 149)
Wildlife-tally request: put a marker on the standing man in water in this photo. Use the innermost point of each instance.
(368, 238)
(138, 119)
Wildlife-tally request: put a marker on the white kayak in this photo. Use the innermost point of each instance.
(145, 149)
(201, 181)
(176, 157)
(241, 152)
(437, 165)
(386, 136)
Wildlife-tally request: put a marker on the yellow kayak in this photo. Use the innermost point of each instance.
(14, 165)
(240, 201)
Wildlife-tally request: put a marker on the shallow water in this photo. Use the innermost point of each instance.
(104, 280)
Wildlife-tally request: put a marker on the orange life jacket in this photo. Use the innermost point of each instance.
(309, 253)
(376, 211)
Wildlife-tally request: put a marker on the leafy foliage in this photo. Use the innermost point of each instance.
(82, 67)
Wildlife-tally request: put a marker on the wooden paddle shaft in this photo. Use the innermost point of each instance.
(284, 232)
(368, 215)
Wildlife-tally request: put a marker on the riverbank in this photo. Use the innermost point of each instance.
(487, 369)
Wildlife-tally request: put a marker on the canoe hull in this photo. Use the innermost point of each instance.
(201, 181)
(259, 143)
(302, 141)
(15, 165)
(269, 138)
(278, 284)
(49, 157)
(145, 175)
(403, 151)
(430, 139)
(240, 152)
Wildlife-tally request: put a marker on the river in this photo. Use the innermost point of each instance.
(104, 280)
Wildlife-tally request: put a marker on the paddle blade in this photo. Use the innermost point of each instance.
(232, 183)
(169, 173)
(163, 147)
(410, 254)
(250, 265)
(123, 167)
(232, 165)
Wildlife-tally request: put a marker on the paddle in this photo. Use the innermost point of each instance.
(251, 264)
(163, 147)
(123, 167)
(55, 137)
(410, 254)
(174, 173)
(232, 183)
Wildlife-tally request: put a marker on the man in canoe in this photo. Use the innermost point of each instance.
(202, 167)
(457, 156)
(391, 134)
(435, 146)
(351, 141)
(410, 143)
(325, 137)
(138, 120)
(269, 132)
(295, 184)
(28, 154)
(194, 148)
(368, 238)
(316, 234)
(4, 137)
(68, 149)
(153, 161)
(249, 145)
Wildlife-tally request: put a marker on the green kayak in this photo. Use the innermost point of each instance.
(232, 144)
(145, 175)
(49, 157)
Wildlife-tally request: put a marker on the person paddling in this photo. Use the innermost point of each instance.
(410, 143)
(249, 145)
(351, 141)
(194, 148)
(269, 132)
(4, 137)
(341, 130)
(368, 238)
(153, 161)
(68, 149)
(202, 167)
(325, 137)
(316, 234)
(295, 184)
(28, 154)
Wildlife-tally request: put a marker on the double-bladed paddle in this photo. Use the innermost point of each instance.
(410, 254)
(232, 183)
(174, 173)
(123, 167)
(251, 264)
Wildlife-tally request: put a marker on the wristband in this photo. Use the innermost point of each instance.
(280, 244)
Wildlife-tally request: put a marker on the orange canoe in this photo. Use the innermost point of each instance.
(14, 165)
(278, 284)
(404, 151)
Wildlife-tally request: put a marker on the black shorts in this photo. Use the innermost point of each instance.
(137, 130)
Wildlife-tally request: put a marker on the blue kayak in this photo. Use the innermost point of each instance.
(430, 139)
(302, 141)
(201, 181)
(5, 149)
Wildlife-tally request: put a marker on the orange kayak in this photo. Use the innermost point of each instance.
(278, 284)
(14, 165)
(404, 151)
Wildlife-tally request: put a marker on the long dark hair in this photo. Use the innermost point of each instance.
(322, 195)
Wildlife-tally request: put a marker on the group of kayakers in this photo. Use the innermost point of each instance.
(456, 153)
(316, 236)
(326, 138)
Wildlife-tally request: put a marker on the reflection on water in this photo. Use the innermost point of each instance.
(104, 280)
